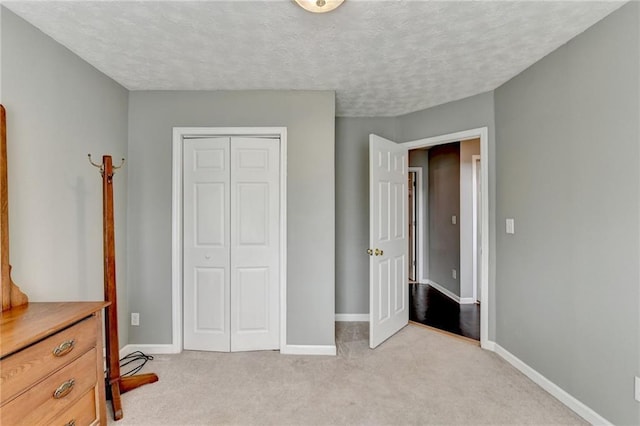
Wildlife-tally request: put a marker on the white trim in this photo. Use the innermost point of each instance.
(563, 396)
(419, 222)
(179, 133)
(489, 345)
(283, 237)
(441, 289)
(483, 134)
(148, 349)
(309, 350)
(352, 317)
(451, 295)
(474, 237)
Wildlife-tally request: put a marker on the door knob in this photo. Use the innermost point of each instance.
(379, 252)
(369, 252)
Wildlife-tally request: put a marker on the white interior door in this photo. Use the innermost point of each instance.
(255, 248)
(388, 229)
(206, 236)
(231, 237)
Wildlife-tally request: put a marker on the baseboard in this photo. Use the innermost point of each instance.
(489, 345)
(309, 350)
(352, 317)
(288, 349)
(444, 291)
(563, 396)
(149, 349)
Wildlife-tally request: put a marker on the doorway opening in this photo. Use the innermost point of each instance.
(445, 295)
(389, 233)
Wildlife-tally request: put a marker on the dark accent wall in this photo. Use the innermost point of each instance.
(444, 202)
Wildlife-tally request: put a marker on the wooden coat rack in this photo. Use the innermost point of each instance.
(11, 295)
(115, 383)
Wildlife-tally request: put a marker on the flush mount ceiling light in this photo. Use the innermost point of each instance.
(319, 6)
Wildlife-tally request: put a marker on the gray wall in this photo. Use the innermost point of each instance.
(309, 118)
(465, 275)
(568, 164)
(352, 209)
(59, 108)
(444, 202)
(476, 111)
(420, 158)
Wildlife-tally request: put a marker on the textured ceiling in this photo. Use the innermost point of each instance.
(383, 58)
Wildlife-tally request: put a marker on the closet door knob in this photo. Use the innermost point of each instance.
(369, 252)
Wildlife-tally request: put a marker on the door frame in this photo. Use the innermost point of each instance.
(419, 222)
(179, 134)
(483, 134)
(474, 240)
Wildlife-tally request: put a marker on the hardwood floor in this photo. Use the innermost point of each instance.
(430, 307)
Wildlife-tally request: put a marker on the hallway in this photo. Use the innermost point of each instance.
(430, 307)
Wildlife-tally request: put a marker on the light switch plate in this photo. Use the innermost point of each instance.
(637, 388)
(510, 226)
(454, 220)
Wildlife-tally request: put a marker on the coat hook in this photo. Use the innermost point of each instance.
(94, 164)
(99, 166)
(120, 166)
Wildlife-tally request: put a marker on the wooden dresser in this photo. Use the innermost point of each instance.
(51, 364)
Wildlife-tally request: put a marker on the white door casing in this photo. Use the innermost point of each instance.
(388, 230)
(419, 223)
(206, 236)
(413, 276)
(476, 233)
(231, 243)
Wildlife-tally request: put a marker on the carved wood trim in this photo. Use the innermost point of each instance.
(4, 215)
(11, 294)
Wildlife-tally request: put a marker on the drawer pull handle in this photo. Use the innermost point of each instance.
(64, 348)
(71, 423)
(64, 389)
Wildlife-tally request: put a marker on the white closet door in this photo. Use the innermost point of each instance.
(255, 244)
(206, 234)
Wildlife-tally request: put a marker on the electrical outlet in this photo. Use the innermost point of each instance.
(454, 274)
(637, 388)
(135, 318)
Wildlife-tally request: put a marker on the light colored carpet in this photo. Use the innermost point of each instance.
(417, 377)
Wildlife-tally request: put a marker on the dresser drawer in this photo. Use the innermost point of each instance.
(82, 413)
(39, 404)
(21, 370)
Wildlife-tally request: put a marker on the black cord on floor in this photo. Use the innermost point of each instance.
(132, 358)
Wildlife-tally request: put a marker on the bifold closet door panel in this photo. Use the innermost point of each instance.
(206, 244)
(255, 243)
